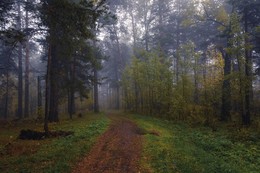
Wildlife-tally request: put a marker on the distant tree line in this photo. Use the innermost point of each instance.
(209, 49)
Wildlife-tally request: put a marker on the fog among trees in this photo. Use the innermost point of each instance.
(130, 86)
(191, 60)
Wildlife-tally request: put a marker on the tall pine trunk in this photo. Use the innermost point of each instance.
(39, 96)
(226, 87)
(54, 91)
(248, 71)
(47, 92)
(20, 69)
(196, 81)
(118, 61)
(26, 92)
(71, 93)
(6, 93)
(96, 105)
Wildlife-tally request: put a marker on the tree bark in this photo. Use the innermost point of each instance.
(6, 93)
(72, 89)
(118, 61)
(39, 96)
(26, 96)
(54, 91)
(47, 92)
(133, 30)
(226, 88)
(20, 70)
(160, 25)
(177, 52)
(196, 81)
(248, 71)
(96, 106)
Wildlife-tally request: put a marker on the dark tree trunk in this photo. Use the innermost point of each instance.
(178, 41)
(136, 97)
(160, 26)
(248, 71)
(118, 61)
(133, 30)
(53, 111)
(117, 97)
(47, 92)
(241, 88)
(72, 90)
(146, 40)
(226, 88)
(39, 96)
(196, 82)
(6, 94)
(20, 70)
(204, 76)
(54, 82)
(20, 83)
(68, 95)
(26, 92)
(177, 53)
(96, 106)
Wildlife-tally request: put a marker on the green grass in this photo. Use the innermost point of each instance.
(52, 155)
(181, 148)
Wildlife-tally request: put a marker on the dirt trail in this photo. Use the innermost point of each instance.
(116, 151)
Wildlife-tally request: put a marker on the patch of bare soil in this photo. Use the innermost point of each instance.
(118, 150)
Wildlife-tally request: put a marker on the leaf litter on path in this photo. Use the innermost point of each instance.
(118, 150)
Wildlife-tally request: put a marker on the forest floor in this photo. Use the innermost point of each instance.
(117, 150)
(51, 154)
(128, 143)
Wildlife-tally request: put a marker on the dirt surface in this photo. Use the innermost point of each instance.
(118, 150)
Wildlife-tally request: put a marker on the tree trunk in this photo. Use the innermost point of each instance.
(39, 96)
(20, 70)
(118, 61)
(53, 111)
(133, 30)
(146, 26)
(177, 53)
(26, 96)
(47, 92)
(160, 26)
(72, 90)
(54, 91)
(136, 97)
(6, 94)
(196, 82)
(242, 86)
(248, 71)
(226, 88)
(96, 106)
(178, 41)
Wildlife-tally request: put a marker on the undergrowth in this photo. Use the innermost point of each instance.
(56, 155)
(181, 148)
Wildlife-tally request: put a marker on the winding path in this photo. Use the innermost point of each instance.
(118, 150)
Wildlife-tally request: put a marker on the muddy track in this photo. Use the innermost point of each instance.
(116, 151)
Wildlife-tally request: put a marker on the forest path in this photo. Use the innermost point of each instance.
(118, 150)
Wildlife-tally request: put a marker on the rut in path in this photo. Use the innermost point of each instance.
(116, 151)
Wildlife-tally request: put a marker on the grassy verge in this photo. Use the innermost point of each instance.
(51, 155)
(180, 148)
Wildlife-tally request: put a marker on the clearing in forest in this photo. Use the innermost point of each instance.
(117, 150)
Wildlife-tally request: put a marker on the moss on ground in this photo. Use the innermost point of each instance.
(50, 155)
(181, 148)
